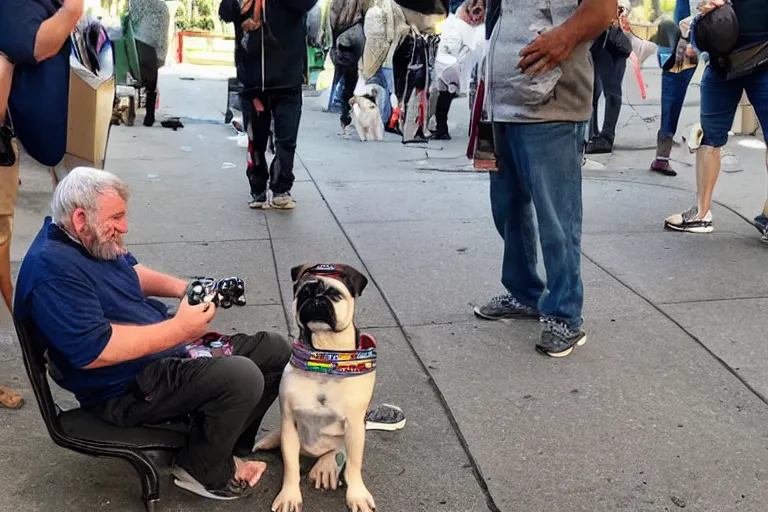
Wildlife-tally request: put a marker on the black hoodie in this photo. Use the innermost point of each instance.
(280, 63)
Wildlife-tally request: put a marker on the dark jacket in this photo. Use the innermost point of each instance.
(280, 63)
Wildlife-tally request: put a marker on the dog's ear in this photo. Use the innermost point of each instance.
(355, 281)
(298, 270)
(352, 100)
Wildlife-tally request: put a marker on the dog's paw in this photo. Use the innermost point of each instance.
(269, 442)
(289, 500)
(360, 500)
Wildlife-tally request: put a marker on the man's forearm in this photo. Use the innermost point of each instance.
(591, 19)
(54, 32)
(130, 342)
(157, 284)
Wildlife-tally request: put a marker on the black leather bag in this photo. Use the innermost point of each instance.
(618, 43)
(7, 154)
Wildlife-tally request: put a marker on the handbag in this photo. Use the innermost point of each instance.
(7, 153)
(746, 59)
(481, 148)
(617, 43)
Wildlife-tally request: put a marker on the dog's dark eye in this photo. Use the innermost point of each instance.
(334, 294)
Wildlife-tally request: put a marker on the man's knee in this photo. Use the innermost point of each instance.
(277, 348)
(240, 379)
(714, 136)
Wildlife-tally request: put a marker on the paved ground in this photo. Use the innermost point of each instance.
(663, 409)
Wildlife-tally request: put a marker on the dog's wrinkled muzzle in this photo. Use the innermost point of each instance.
(315, 303)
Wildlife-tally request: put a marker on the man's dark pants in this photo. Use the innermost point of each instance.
(284, 106)
(226, 398)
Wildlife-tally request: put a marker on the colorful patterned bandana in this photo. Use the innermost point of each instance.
(347, 363)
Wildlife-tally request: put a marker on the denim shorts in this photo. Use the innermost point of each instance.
(720, 99)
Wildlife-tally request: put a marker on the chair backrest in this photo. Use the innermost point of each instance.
(37, 371)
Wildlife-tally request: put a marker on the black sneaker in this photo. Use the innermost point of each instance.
(385, 417)
(505, 306)
(233, 490)
(558, 340)
(599, 145)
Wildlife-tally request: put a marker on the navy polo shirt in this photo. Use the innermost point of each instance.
(40, 91)
(71, 299)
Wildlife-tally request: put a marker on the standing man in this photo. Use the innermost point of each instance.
(270, 56)
(746, 22)
(34, 89)
(610, 52)
(540, 98)
(346, 19)
(151, 23)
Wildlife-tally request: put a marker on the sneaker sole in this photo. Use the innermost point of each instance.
(697, 229)
(388, 427)
(567, 351)
(258, 206)
(508, 316)
(183, 480)
(287, 206)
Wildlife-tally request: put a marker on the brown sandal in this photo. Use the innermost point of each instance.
(10, 399)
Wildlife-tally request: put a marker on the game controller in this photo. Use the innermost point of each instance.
(224, 293)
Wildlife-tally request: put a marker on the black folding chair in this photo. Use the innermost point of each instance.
(79, 431)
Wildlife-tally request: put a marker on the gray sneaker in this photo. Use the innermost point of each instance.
(558, 340)
(385, 417)
(505, 306)
(283, 201)
(233, 490)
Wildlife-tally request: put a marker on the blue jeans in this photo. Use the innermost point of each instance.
(385, 77)
(674, 87)
(535, 179)
(720, 99)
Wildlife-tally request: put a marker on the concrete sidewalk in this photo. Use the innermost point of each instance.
(663, 408)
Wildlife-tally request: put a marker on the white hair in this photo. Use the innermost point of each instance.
(81, 188)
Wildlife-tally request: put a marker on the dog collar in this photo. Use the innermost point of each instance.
(346, 363)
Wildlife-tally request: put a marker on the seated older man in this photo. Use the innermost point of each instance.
(121, 353)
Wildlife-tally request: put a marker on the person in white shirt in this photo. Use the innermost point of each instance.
(460, 47)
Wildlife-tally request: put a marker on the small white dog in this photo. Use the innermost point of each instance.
(326, 388)
(366, 116)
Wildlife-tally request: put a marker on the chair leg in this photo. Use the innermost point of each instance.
(150, 482)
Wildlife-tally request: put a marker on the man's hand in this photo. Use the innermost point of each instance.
(548, 50)
(708, 6)
(75, 8)
(193, 320)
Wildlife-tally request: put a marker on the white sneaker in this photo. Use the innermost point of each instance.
(729, 162)
(689, 222)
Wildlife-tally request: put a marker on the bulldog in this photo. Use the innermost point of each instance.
(326, 388)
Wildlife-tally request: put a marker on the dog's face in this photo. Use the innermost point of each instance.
(324, 296)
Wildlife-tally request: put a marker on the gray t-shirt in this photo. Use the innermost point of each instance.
(563, 94)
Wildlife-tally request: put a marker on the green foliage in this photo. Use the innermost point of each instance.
(195, 15)
(205, 8)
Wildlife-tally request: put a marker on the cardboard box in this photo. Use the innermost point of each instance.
(90, 114)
